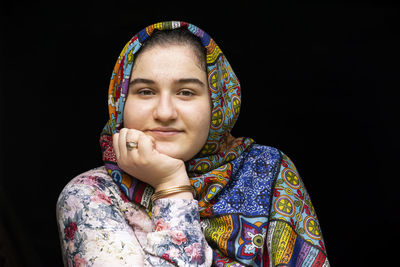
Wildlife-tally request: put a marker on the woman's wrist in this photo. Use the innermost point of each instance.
(180, 191)
(177, 186)
(180, 195)
(179, 179)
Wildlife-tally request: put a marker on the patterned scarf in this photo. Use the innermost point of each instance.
(210, 169)
(294, 236)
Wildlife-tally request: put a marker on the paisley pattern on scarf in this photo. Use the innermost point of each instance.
(241, 212)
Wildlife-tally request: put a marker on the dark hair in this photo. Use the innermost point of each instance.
(179, 36)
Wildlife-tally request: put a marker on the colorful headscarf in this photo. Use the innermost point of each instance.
(234, 232)
(210, 169)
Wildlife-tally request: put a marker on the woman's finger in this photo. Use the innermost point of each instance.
(116, 146)
(122, 142)
(146, 146)
(132, 135)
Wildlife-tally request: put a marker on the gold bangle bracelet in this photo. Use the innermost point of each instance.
(172, 190)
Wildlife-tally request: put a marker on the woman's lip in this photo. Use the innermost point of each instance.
(164, 132)
(165, 129)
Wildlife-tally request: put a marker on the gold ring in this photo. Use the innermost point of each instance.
(131, 145)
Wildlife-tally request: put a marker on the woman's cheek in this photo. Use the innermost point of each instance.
(200, 126)
(134, 115)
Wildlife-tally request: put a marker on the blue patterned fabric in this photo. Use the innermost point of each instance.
(250, 186)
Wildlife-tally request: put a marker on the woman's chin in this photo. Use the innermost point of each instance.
(173, 150)
(167, 149)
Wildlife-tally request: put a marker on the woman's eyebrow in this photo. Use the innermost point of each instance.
(141, 80)
(182, 80)
(190, 80)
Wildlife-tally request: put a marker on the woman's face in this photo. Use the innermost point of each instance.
(168, 99)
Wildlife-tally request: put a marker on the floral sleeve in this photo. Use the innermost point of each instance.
(99, 226)
(93, 229)
(177, 236)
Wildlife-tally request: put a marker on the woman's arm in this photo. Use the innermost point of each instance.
(99, 226)
(93, 229)
(177, 236)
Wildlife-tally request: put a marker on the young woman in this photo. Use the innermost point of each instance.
(177, 188)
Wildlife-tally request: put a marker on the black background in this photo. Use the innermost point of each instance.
(319, 81)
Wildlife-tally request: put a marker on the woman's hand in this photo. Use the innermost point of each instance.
(146, 163)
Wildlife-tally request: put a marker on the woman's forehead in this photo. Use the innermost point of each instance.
(173, 61)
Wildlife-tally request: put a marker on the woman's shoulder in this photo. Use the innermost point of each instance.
(96, 179)
(96, 176)
(259, 152)
(258, 161)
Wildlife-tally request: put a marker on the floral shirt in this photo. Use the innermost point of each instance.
(99, 226)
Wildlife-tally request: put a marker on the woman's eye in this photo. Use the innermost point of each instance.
(145, 92)
(186, 93)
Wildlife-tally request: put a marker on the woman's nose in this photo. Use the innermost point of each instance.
(165, 110)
